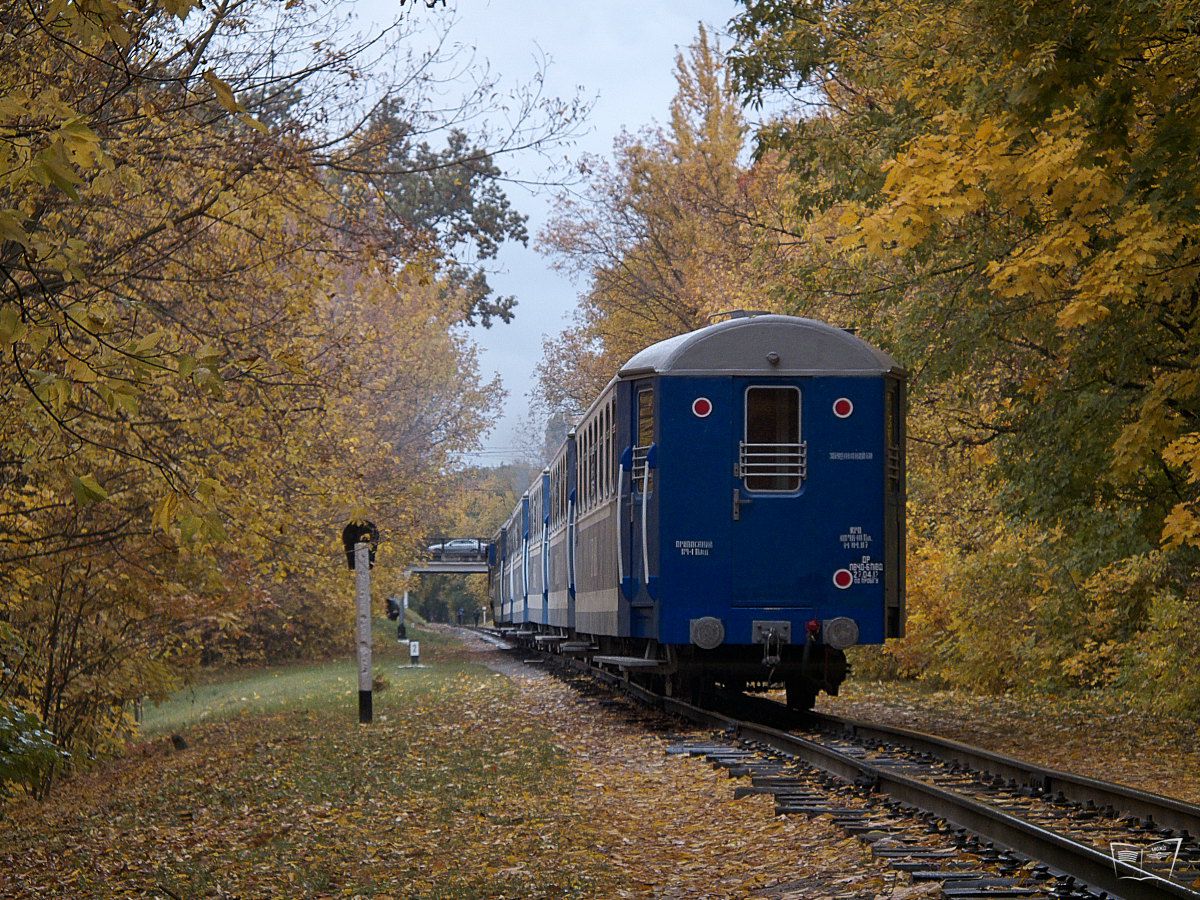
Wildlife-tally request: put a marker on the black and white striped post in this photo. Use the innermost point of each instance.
(362, 600)
(359, 540)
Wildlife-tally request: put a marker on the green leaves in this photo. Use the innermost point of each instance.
(50, 169)
(207, 526)
(87, 490)
(11, 228)
(12, 329)
(27, 750)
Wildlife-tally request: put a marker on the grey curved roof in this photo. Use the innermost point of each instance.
(741, 346)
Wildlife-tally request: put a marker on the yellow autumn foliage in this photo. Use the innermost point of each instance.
(210, 362)
(1009, 196)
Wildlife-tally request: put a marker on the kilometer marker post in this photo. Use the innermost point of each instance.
(362, 599)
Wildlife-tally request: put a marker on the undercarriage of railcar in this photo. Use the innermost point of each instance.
(692, 673)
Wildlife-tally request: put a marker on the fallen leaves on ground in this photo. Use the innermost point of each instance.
(469, 784)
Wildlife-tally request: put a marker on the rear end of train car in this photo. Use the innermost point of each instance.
(730, 510)
(761, 514)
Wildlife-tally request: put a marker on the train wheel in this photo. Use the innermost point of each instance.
(801, 694)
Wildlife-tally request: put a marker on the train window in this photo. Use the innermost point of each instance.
(604, 451)
(612, 446)
(772, 456)
(645, 411)
(581, 462)
(604, 461)
(590, 460)
(592, 463)
(600, 454)
(642, 477)
(608, 449)
(583, 465)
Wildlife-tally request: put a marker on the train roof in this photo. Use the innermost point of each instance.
(743, 346)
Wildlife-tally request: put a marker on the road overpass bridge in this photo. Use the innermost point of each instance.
(448, 567)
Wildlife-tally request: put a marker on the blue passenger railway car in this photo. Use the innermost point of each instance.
(730, 510)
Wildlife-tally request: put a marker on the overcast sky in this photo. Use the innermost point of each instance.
(619, 52)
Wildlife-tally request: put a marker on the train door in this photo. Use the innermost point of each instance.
(501, 551)
(767, 493)
(639, 520)
(544, 509)
(524, 616)
(572, 525)
(894, 506)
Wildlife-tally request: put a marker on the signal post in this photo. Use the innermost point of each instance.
(362, 601)
(359, 541)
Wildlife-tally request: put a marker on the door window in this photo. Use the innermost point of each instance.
(772, 455)
(645, 437)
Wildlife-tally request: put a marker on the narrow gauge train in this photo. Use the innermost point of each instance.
(729, 510)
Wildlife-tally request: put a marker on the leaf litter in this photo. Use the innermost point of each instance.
(472, 786)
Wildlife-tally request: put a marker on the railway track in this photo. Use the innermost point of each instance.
(984, 824)
(1158, 814)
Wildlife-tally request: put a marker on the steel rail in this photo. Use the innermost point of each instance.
(1165, 811)
(1095, 870)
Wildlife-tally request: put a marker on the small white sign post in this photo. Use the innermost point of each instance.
(414, 653)
(362, 600)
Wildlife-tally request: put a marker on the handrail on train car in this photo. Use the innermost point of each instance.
(545, 561)
(651, 463)
(571, 529)
(625, 466)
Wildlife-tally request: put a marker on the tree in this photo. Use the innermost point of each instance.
(480, 504)
(1011, 194)
(451, 197)
(215, 351)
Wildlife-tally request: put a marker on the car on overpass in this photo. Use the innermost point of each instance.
(458, 548)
